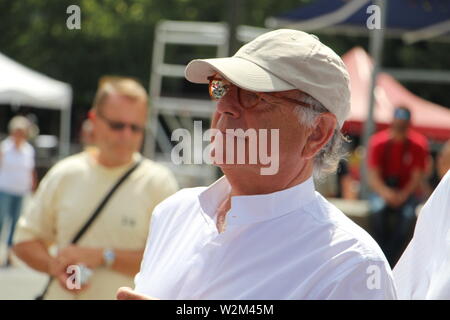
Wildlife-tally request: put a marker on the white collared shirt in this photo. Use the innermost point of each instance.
(291, 244)
(65, 200)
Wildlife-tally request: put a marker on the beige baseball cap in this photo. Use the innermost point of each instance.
(282, 60)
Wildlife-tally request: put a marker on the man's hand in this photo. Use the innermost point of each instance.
(401, 198)
(55, 267)
(63, 279)
(125, 293)
(71, 255)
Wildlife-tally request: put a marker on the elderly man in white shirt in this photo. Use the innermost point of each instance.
(267, 236)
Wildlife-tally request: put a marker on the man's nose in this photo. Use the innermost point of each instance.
(229, 104)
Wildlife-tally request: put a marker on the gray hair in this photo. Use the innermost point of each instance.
(327, 159)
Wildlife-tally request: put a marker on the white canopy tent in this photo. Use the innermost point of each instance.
(21, 86)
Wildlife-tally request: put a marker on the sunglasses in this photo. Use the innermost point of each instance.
(119, 125)
(218, 88)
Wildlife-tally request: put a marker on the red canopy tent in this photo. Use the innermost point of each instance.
(428, 118)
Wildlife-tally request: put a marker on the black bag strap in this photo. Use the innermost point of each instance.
(94, 215)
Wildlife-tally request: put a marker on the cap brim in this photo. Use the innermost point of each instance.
(241, 72)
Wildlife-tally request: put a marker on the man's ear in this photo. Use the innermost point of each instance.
(319, 134)
(91, 114)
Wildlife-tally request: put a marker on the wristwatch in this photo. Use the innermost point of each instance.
(109, 257)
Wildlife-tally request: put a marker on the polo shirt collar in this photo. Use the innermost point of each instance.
(256, 208)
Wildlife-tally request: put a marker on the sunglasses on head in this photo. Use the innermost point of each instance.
(119, 125)
(218, 88)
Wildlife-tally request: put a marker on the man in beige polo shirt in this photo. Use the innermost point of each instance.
(113, 245)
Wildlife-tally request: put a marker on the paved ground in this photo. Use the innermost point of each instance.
(18, 282)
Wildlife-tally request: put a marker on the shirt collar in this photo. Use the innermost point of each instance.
(90, 154)
(256, 208)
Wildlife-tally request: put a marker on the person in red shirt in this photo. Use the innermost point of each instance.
(397, 159)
